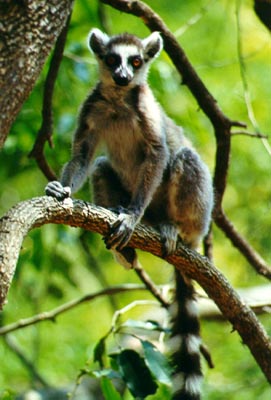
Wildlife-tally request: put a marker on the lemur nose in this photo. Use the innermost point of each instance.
(122, 80)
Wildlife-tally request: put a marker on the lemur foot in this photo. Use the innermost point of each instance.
(120, 232)
(55, 189)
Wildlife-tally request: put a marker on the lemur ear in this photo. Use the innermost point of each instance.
(97, 40)
(153, 44)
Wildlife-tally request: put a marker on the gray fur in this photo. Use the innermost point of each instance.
(162, 176)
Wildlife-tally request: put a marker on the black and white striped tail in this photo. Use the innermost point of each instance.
(186, 342)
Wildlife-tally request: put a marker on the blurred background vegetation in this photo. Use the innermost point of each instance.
(55, 267)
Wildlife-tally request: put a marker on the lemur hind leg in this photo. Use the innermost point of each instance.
(108, 192)
(190, 196)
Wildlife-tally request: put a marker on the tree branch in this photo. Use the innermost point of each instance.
(149, 284)
(256, 135)
(53, 314)
(36, 212)
(258, 298)
(45, 132)
(35, 376)
(95, 267)
(242, 245)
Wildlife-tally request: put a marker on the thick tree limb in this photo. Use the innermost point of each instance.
(258, 298)
(36, 212)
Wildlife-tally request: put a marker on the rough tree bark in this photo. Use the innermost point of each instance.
(28, 31)
(30, 214)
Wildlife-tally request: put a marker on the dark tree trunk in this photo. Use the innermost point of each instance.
(28, 31)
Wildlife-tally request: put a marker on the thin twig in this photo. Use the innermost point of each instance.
(194, 19)
(103, 17)
(13, 346)
(150, 285)
(115, 324)
(207, 355)
(95, 267)
(53, 314)
(208, 245)
(242, 245)
(247, 97)
(256, 135)
(45, 133)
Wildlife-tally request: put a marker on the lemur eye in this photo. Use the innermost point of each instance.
(136, 62)
(112, 60)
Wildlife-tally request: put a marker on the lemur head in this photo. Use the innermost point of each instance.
(124, 59)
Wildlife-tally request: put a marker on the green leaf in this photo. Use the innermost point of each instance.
(99, 351)
(109, 390)
(136, 374)
(157, 363)
(146, 325)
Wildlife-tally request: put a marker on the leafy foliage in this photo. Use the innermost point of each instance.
(141, 373)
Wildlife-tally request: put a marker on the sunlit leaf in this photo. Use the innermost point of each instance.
(146, 325)
(109, 390)
(157, 363)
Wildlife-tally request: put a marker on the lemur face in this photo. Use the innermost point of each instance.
(124, 59)
(124, 62)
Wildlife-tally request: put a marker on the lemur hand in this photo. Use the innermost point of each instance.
(55, 189)
(121, 231)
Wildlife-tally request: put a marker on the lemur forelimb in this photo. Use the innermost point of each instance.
(150, 171)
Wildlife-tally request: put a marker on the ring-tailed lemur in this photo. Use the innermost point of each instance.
(150, 173)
